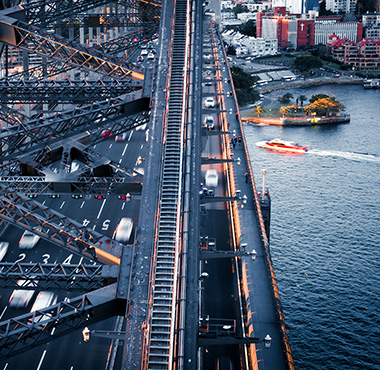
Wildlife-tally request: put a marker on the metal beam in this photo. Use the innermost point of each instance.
(30, 38)
(21, 333)
(57, 228)
(33, 135)
(56, 276)
(65, 91)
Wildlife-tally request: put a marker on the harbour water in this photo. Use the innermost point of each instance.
(325, 231)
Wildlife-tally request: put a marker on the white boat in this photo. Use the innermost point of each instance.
(282, 145)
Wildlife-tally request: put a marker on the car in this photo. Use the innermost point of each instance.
(121, 137)
(106, 133)
(123, 230)
(141, 127)
(209, 102)
(28, 240)
(211, 178)
(140, 58)
(209, 122)
(43, 300)
(144, 52)
(208, 81)
(3, 249)
(337, 75)
(150, 56)
(22, 297)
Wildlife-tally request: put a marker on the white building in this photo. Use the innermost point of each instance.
(325, 28)
(293, 6)
(246, 16)
(345, 6)
(371, 19)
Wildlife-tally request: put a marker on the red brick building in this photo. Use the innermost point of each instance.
(362, 55)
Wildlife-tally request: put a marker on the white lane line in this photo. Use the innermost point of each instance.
(120, 160)
(2, 314)
(94, 146)
(42, 358)
(125, 148)
(130, 135)
(44, 202)
(6, 365)
(63, 203)
(141, 146)
(101, 208)
(93, 228)
(83, 204)
(80, 261)
(122, 207)
(110, 146)
(72, 368)
(52, 332)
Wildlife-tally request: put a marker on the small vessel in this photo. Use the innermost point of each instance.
(282, 145)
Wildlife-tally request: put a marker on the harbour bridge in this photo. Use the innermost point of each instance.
(127, 108)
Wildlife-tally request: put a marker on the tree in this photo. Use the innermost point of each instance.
(325, 106)
(318, 96)
(285, 99)
(231, 50)
(284, 111)
(248, 28)
(304, 63)
(240, 8)
(302, 98)
(244, 82)
(307, 109)
(259, 110)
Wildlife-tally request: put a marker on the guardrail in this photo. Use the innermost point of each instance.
(285, 341)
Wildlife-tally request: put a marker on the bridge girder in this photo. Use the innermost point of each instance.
(65, 91)
(56, 276)
(33, 135)
(57, 228)
(23, 332)
(26, 37)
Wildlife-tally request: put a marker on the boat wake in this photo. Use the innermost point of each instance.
(348, 155)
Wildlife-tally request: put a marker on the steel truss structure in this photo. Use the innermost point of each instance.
(30, 38)
(56, 276)
(33, 135)
(65, 91)
(57, 228)
(31, 329)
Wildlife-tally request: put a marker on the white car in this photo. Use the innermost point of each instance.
(43, 300)
(28, 240)
(209, 122)
(22, 297)
(144, 52)
(209, 102)
(150, 56)
(124, 230)
(3, 249)
(211, 178)
(121, 137)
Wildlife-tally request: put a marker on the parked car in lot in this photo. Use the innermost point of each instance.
(209, 102)
(123, 230)
(43, 300)
(150, 56)
(144, 52)
(211, 178)
(28, 240)
(3, 249)
(140, 58)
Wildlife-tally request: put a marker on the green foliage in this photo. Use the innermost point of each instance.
(231, 50)
(285, 99)
(304, 63)
(239, 8)
(318, 96)
(248, 28)
(364, 6)
(243, 83)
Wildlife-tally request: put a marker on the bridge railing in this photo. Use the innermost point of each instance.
(269, 264)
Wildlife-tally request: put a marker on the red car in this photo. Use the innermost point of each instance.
(106, 133)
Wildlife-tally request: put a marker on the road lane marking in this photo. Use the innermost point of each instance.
(125, 148)
(6, 365)
(141, 146)
(2, 314)
(83, 204)
(110, 146)
(101, 209)
(43, 203)
(63, 203)
(42, 358)
(130, 135)
(52, 331)
(122, 207)
(120, 160)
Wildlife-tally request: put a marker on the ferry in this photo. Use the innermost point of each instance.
(282, 145)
